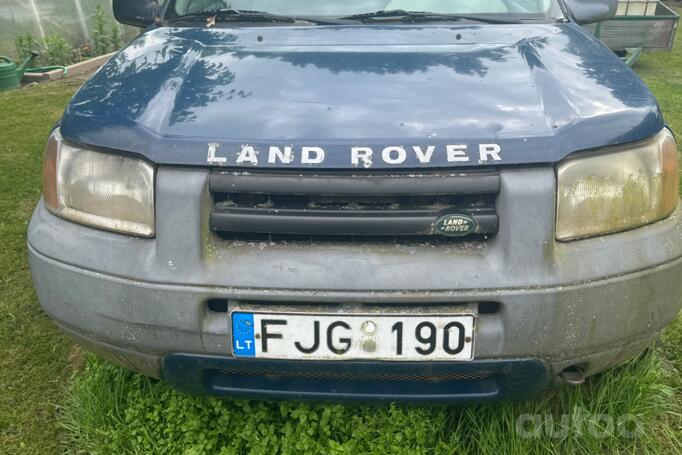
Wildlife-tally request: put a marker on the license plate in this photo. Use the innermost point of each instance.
(358, 336)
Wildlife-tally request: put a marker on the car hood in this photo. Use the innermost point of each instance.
(491, 94)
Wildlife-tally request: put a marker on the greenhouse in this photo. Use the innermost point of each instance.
(35, 23)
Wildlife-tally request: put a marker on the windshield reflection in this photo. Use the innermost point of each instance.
(543, 8)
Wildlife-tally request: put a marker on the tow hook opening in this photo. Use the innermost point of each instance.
(574, 374)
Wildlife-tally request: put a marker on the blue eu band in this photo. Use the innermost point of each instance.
(243, 339)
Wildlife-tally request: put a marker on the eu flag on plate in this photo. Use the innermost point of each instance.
(243, 340)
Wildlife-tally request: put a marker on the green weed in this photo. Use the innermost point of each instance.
(628, 409)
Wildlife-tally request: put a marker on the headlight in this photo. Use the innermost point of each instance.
(98, 189)
(618, 188)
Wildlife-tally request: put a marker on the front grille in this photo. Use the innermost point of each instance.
(352, 206)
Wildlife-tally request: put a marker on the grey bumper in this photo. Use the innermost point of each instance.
(592, 302)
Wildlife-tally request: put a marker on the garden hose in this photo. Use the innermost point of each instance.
(46, 69)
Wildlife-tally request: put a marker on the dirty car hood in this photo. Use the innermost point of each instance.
(540, 92)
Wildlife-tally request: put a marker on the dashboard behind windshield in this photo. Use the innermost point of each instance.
(532, 9)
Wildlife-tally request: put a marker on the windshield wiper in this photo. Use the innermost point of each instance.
(245, 16)
(401, 15)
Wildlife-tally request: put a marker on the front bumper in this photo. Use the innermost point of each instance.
(159, 305)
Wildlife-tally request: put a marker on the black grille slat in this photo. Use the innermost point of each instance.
(395, 205)
(356, 184)
(328, 222)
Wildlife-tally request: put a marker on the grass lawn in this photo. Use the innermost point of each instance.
(53, 398)
(35, 361)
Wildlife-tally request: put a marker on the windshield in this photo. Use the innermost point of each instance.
(528, 9)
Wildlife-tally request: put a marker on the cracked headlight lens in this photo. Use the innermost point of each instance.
(618, 188)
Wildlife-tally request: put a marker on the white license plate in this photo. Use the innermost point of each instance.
(358, 336)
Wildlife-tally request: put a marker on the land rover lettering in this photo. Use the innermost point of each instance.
(352, 157)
